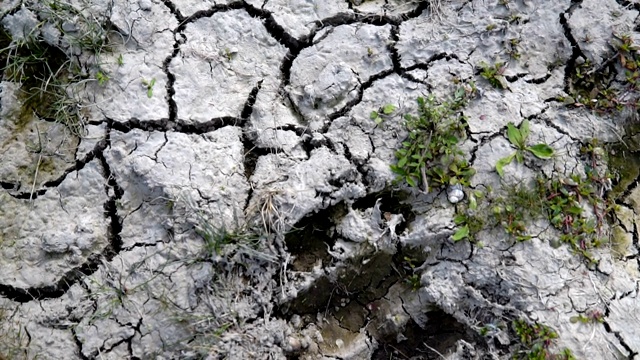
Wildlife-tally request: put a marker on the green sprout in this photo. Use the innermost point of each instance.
(379, 115)
(149, 85)
(494, 74)
(517, 138)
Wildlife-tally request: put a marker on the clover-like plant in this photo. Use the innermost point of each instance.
(518, 138)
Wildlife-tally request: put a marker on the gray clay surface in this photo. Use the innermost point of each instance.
(231, 197)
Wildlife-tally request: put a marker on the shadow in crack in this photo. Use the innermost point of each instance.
(437, 339)
(311, 238)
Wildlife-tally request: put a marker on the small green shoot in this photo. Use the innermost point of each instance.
(120, 60)
(149, 86)
(380, 115)
(102, 78)
(414, 279)
(517, 138)
(494, 74)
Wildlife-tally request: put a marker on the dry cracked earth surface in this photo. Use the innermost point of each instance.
(230, 196)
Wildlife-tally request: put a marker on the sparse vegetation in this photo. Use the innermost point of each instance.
(536, 342)
(45, 69)
(494, 74)
(430, 156)
(612, 85)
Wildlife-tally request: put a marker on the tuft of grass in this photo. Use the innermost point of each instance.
(47, 72)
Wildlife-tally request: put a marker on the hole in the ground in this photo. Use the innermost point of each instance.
(438, 337)
(391, 202)
(310, 238)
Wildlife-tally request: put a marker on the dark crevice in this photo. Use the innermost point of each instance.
(540, 80)
(251, 155)
(272, 27)
(174, 10)
(607, 327)
(79, 344)
(345, 19)
(390, 201)
(576, 52)
(171, 79)
(353, 102)
(441, 333)
(629, 5)
(211, 125)
(247, 109)
(134, 123)
(516, 77)
(164, 125)
(425, 65)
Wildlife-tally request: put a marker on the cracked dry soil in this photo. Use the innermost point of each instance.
(230, 196)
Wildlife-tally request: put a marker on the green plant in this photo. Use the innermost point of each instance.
(598, 88)
(594, 316)
(148, 84)
(512, 48)
(535, 342)
(102, 78)
(120, 60)
(518, 138)
(46, 70)
(565, 209)
(469, 225)
(412, 280)
(216, 237)
(384, 111)
(430, 153)
(494, 74)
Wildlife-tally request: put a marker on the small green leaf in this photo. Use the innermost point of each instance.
(519, 156)
(575, 210)
(402, 162)
(542, 151)
(524, 130)
(374, 115)
(514, 136)
(461, 233)
(459, 219)
(388, 109)
(503, 162)
(411, 181)
(473, 203)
